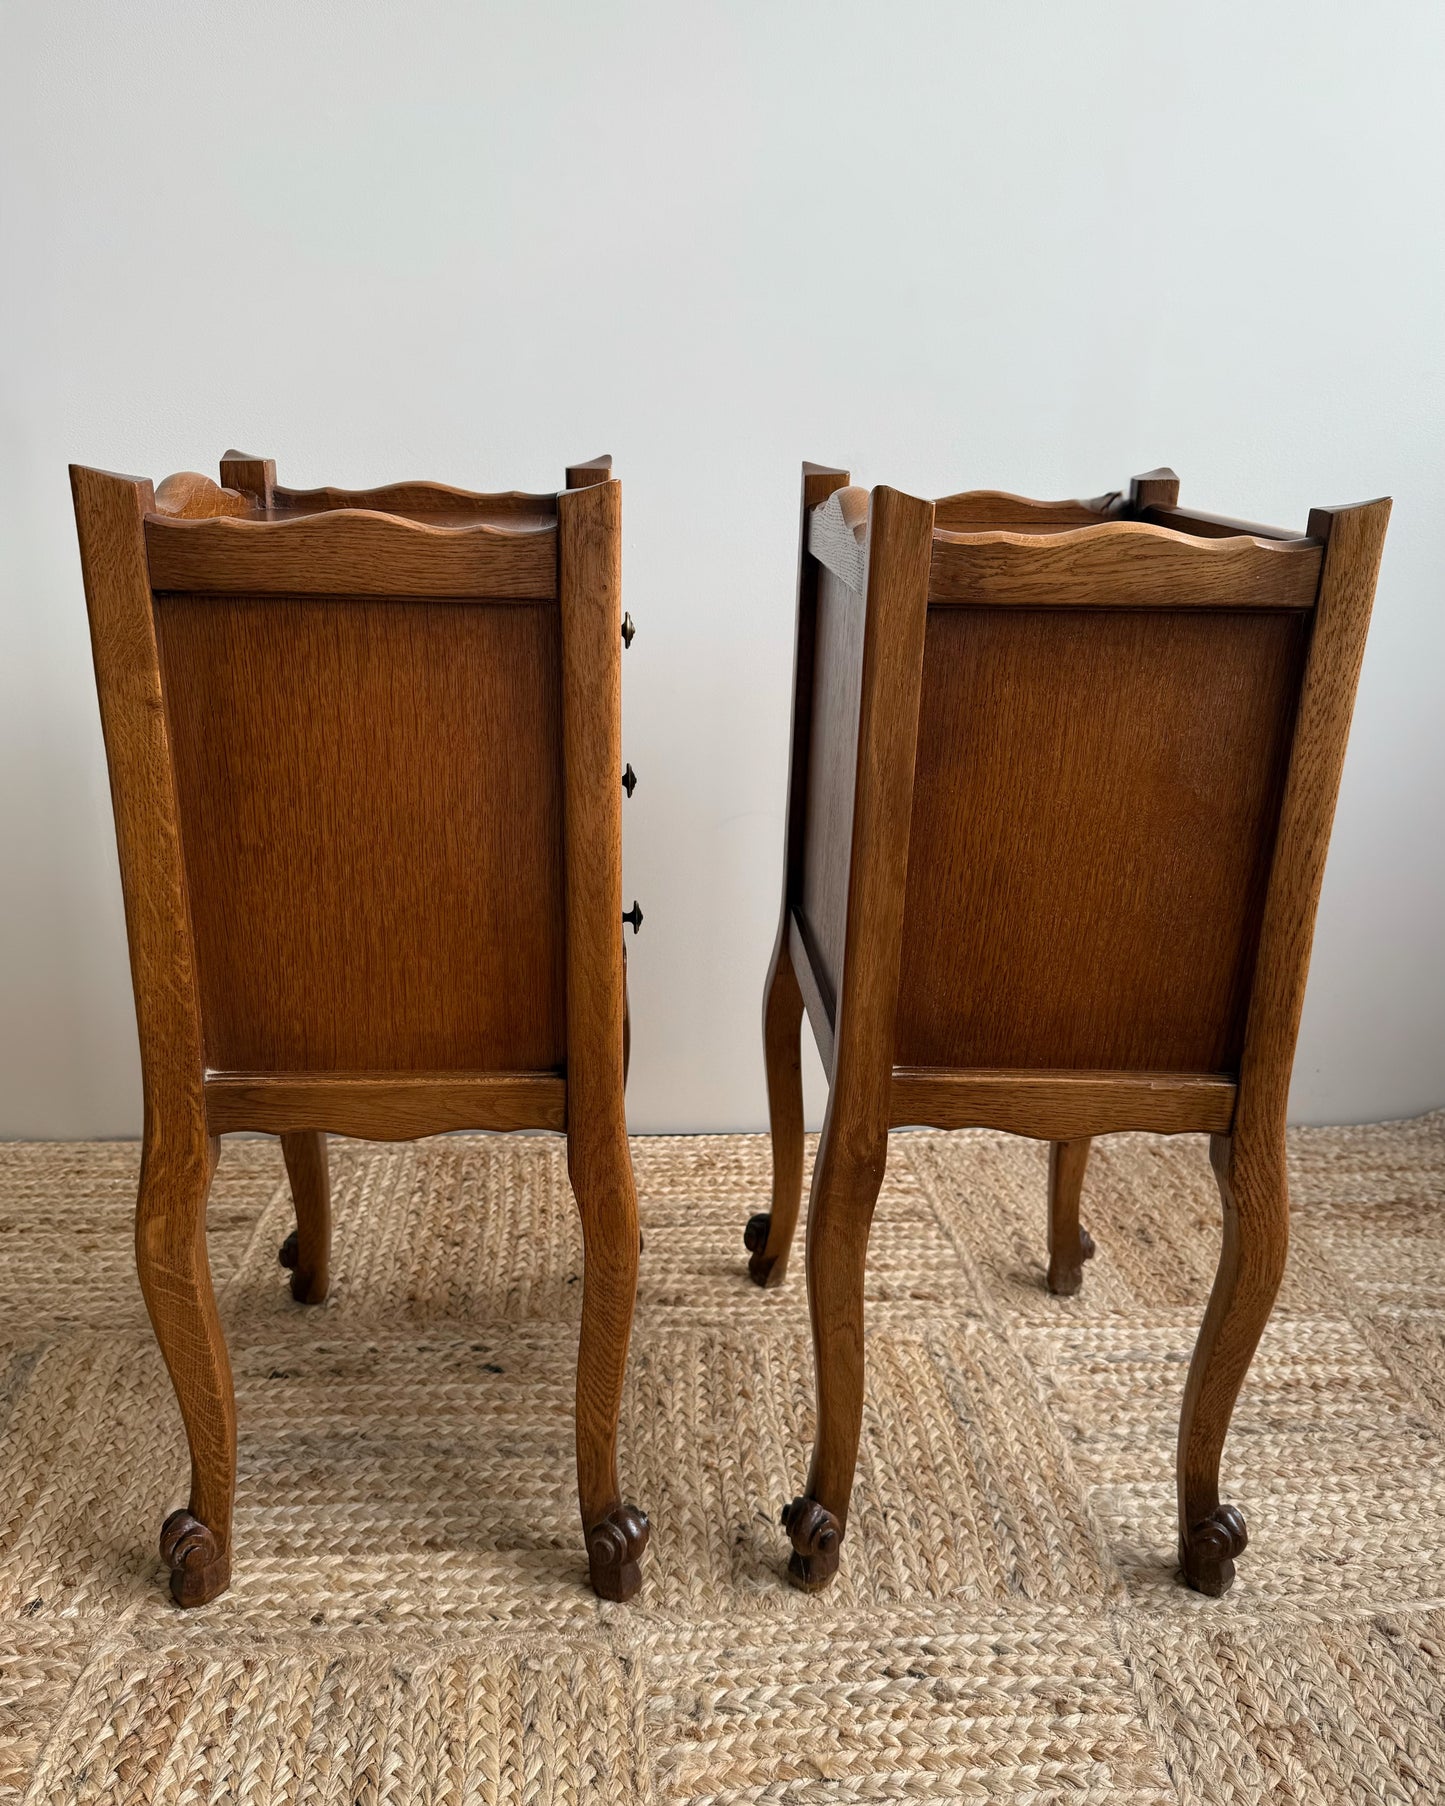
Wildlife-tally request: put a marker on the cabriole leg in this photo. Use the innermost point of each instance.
(1069, 1245)
(616, 1533)
(769, 1237)
(1255, 1193)
(307, 1250)
(845, 1187)
(175, 1278)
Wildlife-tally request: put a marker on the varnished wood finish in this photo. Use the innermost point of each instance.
(189, 496)
(1053, 1106)
(1069, 1244)
(853, 1148)
(371, 805)
(589, 527)
(364, 752)
(341, 553)
(818, 999)
(590, 471)
(1083, 776)
(254, 477)
(307, 1250)
(977, 509)
(1121, 564)
(178, 1154)
(429, 504)
(1250, 1162)
(1090, 845)
(393, 1106)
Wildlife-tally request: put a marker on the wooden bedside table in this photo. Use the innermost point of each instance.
(365, 756)
(1061, 789)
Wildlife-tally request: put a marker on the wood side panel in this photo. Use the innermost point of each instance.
(1094, 811)
(819, 1004)
(1122, 564)
(370, 802)
(769, 1236)
(385, 1106)
(1057, 1106)
(352, 554)
(832, 761)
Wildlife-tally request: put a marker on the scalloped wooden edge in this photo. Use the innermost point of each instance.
(1082, 512)
(1123, 564)
(422, 496)
(1110, 527)
(296, 525)
(354, 552)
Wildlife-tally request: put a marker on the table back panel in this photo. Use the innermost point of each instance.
(1096, 797)
(370, 804)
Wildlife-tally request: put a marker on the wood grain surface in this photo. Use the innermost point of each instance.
(371, 810)
(1122, 564)
(1093, 824)
(1052, 1106)
(385, 1106)
(335, 554)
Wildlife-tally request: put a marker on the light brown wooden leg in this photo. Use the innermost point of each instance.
(769, 1236)
(1069, 1245)
(616, 1533)
(307, 1250)
(840, 1212)
(175, 1277)
(1254, 1189)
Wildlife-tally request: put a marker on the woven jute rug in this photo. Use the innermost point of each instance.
(410, 1620)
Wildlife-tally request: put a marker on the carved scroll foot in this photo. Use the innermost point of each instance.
(1207, 1553)
(817, 1538)
(755, 1240)
(614, 1552)
(1066, 1276)
(199, 1571)
(289, 1255)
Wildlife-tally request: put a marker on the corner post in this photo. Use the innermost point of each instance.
(854, 1147)
(589, 535)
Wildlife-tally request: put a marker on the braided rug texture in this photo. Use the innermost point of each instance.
(410, 1622)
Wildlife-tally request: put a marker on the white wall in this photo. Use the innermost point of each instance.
(1032, 246)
